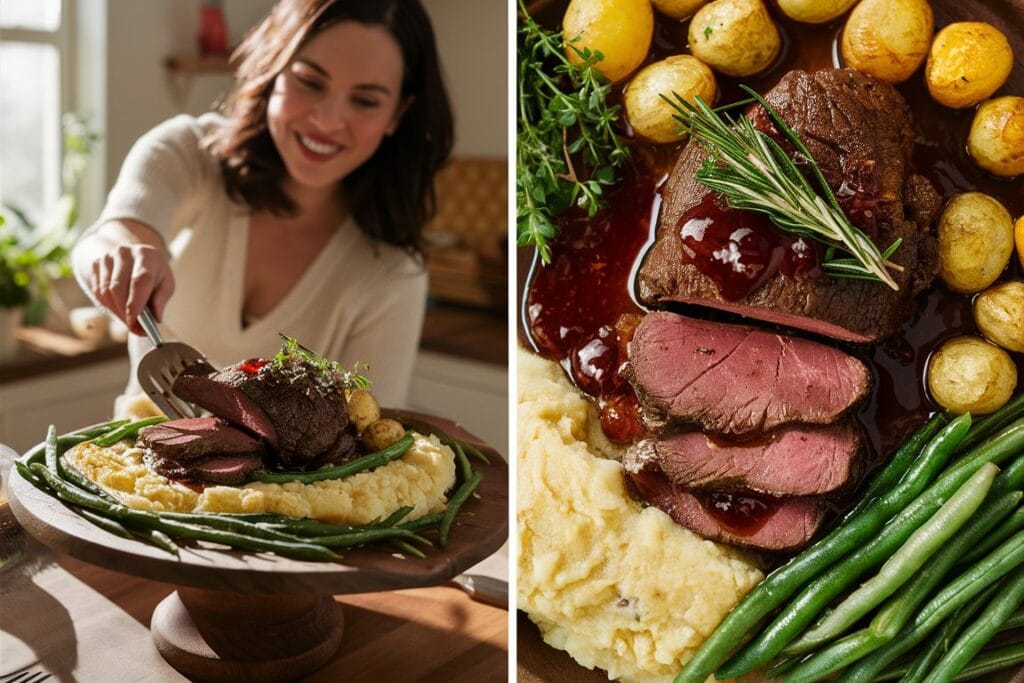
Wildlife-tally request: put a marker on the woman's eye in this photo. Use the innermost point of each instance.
(366, 103)
(309, 83)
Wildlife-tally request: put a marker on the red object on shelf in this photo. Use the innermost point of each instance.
(213, 31)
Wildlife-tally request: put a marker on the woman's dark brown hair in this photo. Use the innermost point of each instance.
(391, 196)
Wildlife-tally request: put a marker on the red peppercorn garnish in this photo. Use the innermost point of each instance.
(251, 367)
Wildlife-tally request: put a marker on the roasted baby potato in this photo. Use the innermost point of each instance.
(620, 29)
(382, 434)
(888, 39)
(363, 409)
(678, 9)
(735, 37)
(968, 61)
(999, 313)
(682, 75)
(975, 241)
(996, 140)
(969, 375)
(1018, 239)
(815, 11)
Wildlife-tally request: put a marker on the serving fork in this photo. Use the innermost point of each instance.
(161, 366)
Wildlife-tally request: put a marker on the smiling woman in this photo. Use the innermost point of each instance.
(299, 206)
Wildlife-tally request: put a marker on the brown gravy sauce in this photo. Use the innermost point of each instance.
(572, 308)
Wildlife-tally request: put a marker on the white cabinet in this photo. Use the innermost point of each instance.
(472, 393)
(70, 399)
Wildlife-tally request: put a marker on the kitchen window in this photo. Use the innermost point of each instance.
(35, 88)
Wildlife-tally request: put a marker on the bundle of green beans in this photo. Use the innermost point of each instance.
(301, 539)
(916, 579)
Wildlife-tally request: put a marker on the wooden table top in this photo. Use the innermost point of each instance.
(421, 634)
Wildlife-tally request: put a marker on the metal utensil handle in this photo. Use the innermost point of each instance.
(149, 327)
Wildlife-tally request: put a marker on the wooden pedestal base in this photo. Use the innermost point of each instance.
(216, 636)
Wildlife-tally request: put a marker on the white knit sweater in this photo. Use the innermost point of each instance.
(359, 301)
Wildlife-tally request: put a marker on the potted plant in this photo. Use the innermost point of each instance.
(33, 255)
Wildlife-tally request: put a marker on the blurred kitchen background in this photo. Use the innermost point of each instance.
(80, 80)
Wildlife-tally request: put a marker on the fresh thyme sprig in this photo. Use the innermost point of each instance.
(330, 371)
(563, 115)
(752, 172)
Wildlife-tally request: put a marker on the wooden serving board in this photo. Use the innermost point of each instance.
(479, 530)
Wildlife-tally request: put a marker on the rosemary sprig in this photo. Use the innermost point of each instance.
(330, 371)
(752, 172)
(563, 115)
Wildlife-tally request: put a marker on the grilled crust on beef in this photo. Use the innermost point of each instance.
(858, 129)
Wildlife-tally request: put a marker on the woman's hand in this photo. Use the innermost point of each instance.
(124, 265)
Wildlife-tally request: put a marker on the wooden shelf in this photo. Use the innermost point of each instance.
(196, 64)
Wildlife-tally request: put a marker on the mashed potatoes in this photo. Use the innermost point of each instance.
(418, 479)
(616, 585)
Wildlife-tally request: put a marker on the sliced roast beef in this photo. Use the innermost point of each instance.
(784, 524)
(197, 384)
(188, 440)
(858, 130)
(301, 414)
(797, 460)
(229, 470)
(735, 379)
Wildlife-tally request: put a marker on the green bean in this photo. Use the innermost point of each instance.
(939, 642)
(407, 547)
(159, 539)
(965, 587)
(902, 607)
(363, 537)
(465, 469)
(900, 567)
(475, 452)
(994, 423)
(989, 661)
(780, 668)
(314, 527)
(100, 429)
(816, 596)
(1016, 620)
(462, 494)
(298, 550)
(836, 656)
(105, 523)
(71, 474)
(50, 450)
(900, 462)
(367, 462)
(238, 526)
(1008, 528)
(781, 584)
(1012, 476)
(982, 630)
(424, 522)
(126, 431)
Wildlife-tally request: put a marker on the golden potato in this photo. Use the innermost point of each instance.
(621, 30)
(969, 375)
(999, 313)
(363, 409)
(382, 434)
(975, 241)
(968, 61)
(996, 140)
(678, 9)
(815, 11)
(735, 37)
(888, 38)
(650, 115)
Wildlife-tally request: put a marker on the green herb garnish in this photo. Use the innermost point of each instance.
(563, 115)
(329, 371)
(752, 172)
(707, 32)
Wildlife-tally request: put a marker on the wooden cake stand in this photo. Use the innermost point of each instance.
(257, 616)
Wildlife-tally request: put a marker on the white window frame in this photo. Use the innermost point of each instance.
(63, 40)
